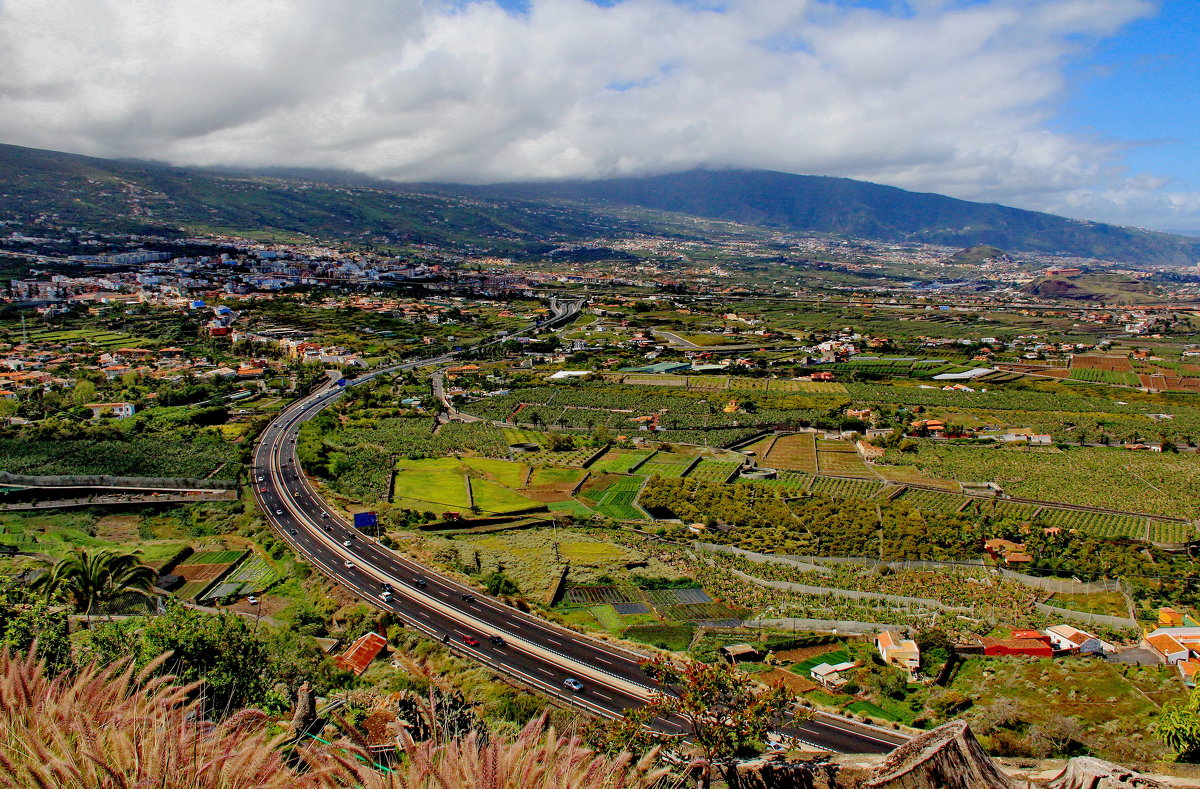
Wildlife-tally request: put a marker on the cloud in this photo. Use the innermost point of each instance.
(939, 95)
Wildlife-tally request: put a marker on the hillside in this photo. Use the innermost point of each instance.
(140, 196)
(151, 197)
(855, 208)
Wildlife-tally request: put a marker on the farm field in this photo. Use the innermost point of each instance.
(427, 485)
(492, 498)
(620, 461)
(797, 452)
(98, 338)
(713, 470)
(1106, 603)
(530, 558)
(1153, 483)
(843, 487)
(56, 534)
(137, 457)
(613, 496)
(911, 475)
(666, 464)
(840, 462)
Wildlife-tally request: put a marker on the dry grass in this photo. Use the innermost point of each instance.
(107, 728)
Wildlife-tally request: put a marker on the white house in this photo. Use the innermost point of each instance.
(831, 676)
(1067, 637)
(1172, 644)
(118, 410)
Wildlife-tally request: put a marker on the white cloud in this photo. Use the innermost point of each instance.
(948, 97)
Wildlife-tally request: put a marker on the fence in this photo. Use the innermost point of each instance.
(788, 586)
(1064, 585)
(838, 625)
(1081, 616)
(810, 564)
(761, 558)
(103, 481)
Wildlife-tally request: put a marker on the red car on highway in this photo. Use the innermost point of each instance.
(471, 641)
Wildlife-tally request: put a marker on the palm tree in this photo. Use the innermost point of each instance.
(90, 578)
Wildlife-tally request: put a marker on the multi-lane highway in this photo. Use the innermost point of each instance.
(540, 654)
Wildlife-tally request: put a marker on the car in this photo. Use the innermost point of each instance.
(329, 529)
(262, 479)
(324, 514)
(278, 512)
(497, 641)
(570, 683)
(387, 587)
(421, 582)
(467, 597)
(252, 600)
(291, 531)
(346, 543)
(349, 565)
(351, 536)
(471, 641)
(385, 596)
(262, 490)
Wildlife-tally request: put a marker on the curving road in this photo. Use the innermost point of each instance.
(540, 654)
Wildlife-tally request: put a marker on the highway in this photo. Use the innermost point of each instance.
(532, 650)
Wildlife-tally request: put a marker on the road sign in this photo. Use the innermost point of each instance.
(365, 520)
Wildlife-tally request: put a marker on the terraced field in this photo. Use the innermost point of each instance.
(711, 470)
(620, 461)
(797, 452)
(666, 464)
(840, 458)
(616, 499)
(843, 487)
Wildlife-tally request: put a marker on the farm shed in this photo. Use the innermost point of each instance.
(741, 653)
(358, 657)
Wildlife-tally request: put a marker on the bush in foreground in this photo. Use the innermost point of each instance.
(107, 728)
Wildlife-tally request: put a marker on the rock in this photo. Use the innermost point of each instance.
(1087, 772)
(949, 757)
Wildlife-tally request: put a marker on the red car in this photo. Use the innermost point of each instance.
(262, 490)
(471, 641)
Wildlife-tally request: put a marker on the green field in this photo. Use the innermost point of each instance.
(429, 484)
(493, 498)
(619, 461)
(616, 499)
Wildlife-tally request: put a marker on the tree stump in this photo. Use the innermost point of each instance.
(1087, 772)
(949, 757)
(305, 713)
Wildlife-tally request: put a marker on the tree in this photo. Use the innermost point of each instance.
(499, 584)
(726, 715)
(84, 392)
(92, 578)
(26, 618)
(1179, 727)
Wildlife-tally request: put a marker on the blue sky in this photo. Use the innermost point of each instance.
(1142, 86)
(1085, 108)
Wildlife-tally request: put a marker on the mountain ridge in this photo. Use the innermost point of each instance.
(350, 206)
(843, 206)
